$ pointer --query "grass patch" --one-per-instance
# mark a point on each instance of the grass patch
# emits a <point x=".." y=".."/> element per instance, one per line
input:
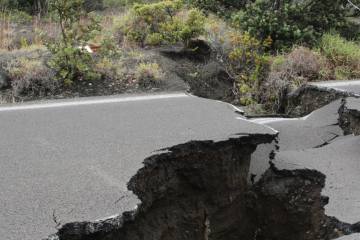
<point x="343" y="55"/>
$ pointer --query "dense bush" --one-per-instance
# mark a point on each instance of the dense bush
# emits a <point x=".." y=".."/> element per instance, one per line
<point x="165" y="22"/>
<point x="248" y="62"/>
<point x="289" y="22"/>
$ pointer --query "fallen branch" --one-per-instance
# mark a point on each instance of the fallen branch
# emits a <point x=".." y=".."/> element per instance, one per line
<point x="352" y="4"/>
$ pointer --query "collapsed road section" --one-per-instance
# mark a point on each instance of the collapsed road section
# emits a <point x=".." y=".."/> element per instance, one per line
<point x="208" y="174"/>
<point x="67" y="161"/>
<point x="313" y="96"/>
<point x="326" y="141"/>
<point x="200" y="190"/>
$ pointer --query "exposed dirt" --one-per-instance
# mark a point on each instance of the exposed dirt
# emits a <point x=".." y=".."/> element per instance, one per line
<point x="198" y="67"/>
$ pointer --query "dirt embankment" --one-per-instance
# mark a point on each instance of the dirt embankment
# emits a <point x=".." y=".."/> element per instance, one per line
<point x="25" y="75"/>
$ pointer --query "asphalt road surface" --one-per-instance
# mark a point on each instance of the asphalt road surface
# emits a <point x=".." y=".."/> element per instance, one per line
<point x="350" y="237"/>
<point x="352" y="86"/>
<point x="67" y="161"/>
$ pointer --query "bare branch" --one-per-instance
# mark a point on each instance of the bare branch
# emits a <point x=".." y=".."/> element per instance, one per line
<point x="352" y="4"/>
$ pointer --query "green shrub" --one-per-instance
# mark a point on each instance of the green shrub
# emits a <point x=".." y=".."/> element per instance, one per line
<point x="220" y="7"/>
<point x="343" y="55"/>
<point x="289" y="22"/>
<point x="248" y="65"/>
<point x="241" y="55"/>
<point x="110" y="68"/>
<point x="69" y="60"/>
<point x="165" y="22"/>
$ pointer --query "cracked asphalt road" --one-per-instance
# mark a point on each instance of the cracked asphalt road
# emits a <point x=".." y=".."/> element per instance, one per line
<point x="352" y="86"/>
<point x="317" y="142"/>
<point x="70" y="160"/>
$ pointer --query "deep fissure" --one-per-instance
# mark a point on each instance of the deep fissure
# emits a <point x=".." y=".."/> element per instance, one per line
<point x="200" y="190"/>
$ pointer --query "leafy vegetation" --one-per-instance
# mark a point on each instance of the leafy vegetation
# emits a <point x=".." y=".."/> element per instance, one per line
<point x="343" y="56"/>
<point x="290" y="22"/>
<point x="166" y="22"/>
<point x="335" y="58"/>
<point x="265" y="48"/>
<point x="70" y="61"/>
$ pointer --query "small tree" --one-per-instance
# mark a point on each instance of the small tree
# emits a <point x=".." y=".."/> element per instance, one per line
<point x="70" y="61"/>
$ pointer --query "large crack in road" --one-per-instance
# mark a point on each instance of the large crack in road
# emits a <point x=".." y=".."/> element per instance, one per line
<point x="212" y="190"/>
<point x="200" y="191"/>
<point x="257" y="184"/>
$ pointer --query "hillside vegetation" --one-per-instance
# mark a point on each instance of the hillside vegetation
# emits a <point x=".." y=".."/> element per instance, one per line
<point x="264" y="48"/>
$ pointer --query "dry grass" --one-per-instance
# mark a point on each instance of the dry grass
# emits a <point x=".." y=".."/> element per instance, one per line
<point x="149" y="75"/>
<point x="30" y="76"/>
<point x="289" y="72"/>
<point x="16" y="35"/>
<point x="6" y="30"/>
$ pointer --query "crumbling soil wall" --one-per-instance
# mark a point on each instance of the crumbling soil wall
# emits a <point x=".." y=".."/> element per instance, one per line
<point x="308" y="98"/>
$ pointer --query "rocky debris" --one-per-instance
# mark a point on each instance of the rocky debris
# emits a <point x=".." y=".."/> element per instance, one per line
<point x="350" y="116"/>
<point x="308" y="98"/>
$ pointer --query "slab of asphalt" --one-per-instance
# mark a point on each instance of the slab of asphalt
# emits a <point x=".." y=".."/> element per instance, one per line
<point x="317" y="128"/>
<point x="317" y="142"/>
<point x="350" y="237"/>
<point x="353" y="104"/>
<point x="314" y="130"/>
<point x="65" y="161"/>
<point x="339" y="161"/>
<point x="352" y="86"/>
